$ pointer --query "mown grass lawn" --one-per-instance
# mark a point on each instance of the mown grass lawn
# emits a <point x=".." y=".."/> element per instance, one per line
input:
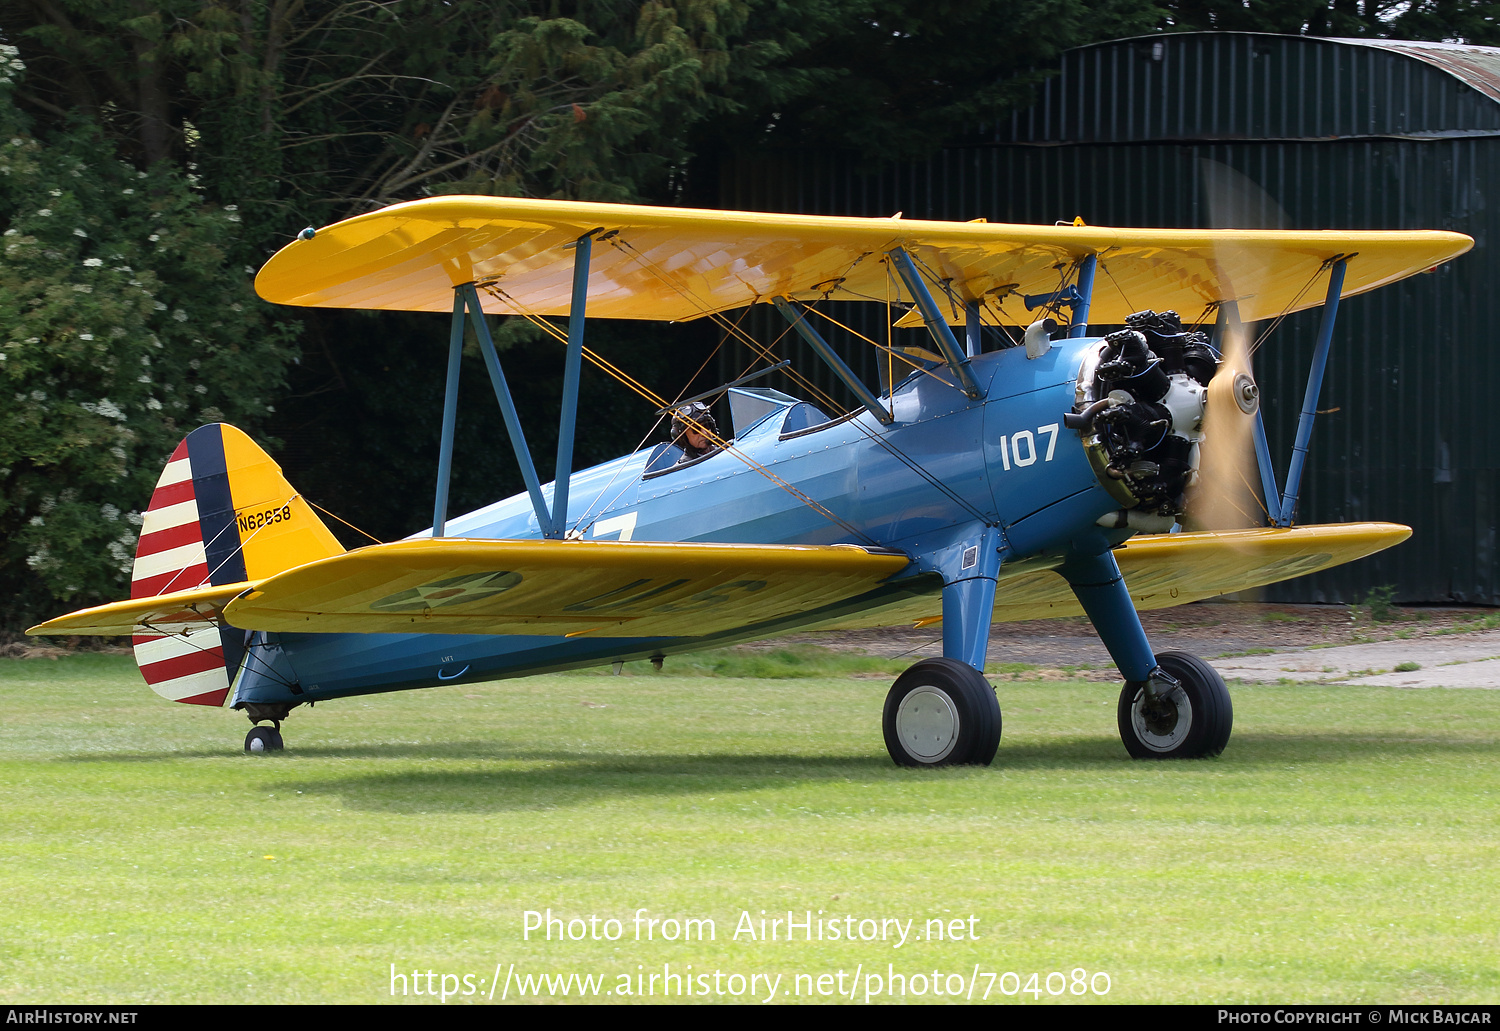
<point x="1344" y="848"/>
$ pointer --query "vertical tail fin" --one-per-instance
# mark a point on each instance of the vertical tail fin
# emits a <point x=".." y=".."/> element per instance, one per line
<point x="222" y="513"/>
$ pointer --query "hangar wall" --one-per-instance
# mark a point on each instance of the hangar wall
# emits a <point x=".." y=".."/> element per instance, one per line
<point x="1318" y="134"/>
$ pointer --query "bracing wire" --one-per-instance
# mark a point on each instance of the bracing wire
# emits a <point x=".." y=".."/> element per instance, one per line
<point x="589" y="518"/>
<point x="341" y="519"/>
<point x="240" y="548"/>
<point x="719" y="319"/>
<point x="222" y="530"/>
<point x="265" y="669"/>
<point x="1118" y="287"/>
<point x="891" y="448"/>
<point x="717" y="348"/>
<point x="816" y="506"/>
<point x="890" y="351"/>
<point x="880" y="439"/>
<point x="659" y="403"/>
<point x="1261" y="338"/>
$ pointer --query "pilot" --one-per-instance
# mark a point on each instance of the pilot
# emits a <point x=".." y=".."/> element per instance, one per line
<point x="688" y="423"/>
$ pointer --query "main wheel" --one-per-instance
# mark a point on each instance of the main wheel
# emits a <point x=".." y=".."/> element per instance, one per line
<point x="942" y="712"/>
<point x="263" y="739"/>
<point x="1190" y="721"/>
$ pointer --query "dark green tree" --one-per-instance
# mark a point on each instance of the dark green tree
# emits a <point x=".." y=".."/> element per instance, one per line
<point x="1452" y="21"/>
<point x="126" y="323"/>
<point x="890" y="79"/>
<point x="208" y="133"/>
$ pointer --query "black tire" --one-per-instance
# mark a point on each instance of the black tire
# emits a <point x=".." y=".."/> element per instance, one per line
<point x="263" y="739"/>
<point x="1193" y="723"/>
<point x="942" y="712"/>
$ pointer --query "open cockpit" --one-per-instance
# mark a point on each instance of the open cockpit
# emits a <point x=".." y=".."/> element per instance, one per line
<point x="754" y="412"/>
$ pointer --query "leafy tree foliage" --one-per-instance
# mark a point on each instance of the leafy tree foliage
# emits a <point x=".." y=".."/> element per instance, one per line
<point x="891" y="78"/>
<point x="125" y="324"/>
<point x="189" y="138"/>
<point x="1452" y="21"/>
<point x="334" y="107"/>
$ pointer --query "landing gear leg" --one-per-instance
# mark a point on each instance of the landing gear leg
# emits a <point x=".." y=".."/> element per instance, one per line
<point x="1174" y="705"/>
<point x="942" y="712"/>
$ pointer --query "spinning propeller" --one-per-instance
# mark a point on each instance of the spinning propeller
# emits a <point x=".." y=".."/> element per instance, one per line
<point x="1168" y="422"/>
<point x="1224" y="495"/>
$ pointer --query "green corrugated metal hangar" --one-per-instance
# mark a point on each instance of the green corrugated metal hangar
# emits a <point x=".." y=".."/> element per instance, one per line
<point x="1252" y="130"/>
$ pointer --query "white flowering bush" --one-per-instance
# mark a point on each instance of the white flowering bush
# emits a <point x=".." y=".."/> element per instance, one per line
<point x="124" y="324"/>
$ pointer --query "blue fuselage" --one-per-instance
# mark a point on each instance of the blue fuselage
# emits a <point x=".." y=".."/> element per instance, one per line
<point x="944" y="469"/>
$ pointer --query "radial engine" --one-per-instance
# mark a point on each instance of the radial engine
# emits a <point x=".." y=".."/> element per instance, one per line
<point x="1139" y="409"/>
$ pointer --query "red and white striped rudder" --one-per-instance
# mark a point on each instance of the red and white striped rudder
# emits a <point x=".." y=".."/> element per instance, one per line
<point x="222" y="514"/>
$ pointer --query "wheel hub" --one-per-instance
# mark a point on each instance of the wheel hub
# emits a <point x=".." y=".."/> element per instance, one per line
<point x="1160" y="716"/>
<point x="1161" y="723"/>
<point x="927" y="724"/>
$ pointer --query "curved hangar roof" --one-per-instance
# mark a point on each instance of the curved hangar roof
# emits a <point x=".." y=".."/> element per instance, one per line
<point x="670" y="264"/>
<point x="1478" y="67"/>
<point x="1245" y="86"/>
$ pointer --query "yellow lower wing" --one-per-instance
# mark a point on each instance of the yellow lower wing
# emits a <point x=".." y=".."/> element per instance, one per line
<point x="1173" y="569"/>
<point x="1163" y="571"/>
<point x="615" y="589"/>
<point x="570" y="588"/>
<point x="1166" y="570"/>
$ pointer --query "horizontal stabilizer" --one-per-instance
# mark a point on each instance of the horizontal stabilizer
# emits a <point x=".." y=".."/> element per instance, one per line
<point x="571" y="588"/>
<point x="181" y="612"/>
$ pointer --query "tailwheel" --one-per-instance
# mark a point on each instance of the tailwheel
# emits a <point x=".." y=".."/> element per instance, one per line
<point x="942" y="712"/>
<point x="263" y="739"/>
<point x="1190" y="716"/>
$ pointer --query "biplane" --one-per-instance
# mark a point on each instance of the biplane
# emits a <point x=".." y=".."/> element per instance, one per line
<point x="1019" y="467"/>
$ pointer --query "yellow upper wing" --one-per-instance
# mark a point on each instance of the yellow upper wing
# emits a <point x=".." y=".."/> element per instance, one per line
<point x="671" y="264"/>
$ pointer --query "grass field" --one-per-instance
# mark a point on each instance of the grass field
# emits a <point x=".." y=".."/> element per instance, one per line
<point x="1344" y="848"/>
